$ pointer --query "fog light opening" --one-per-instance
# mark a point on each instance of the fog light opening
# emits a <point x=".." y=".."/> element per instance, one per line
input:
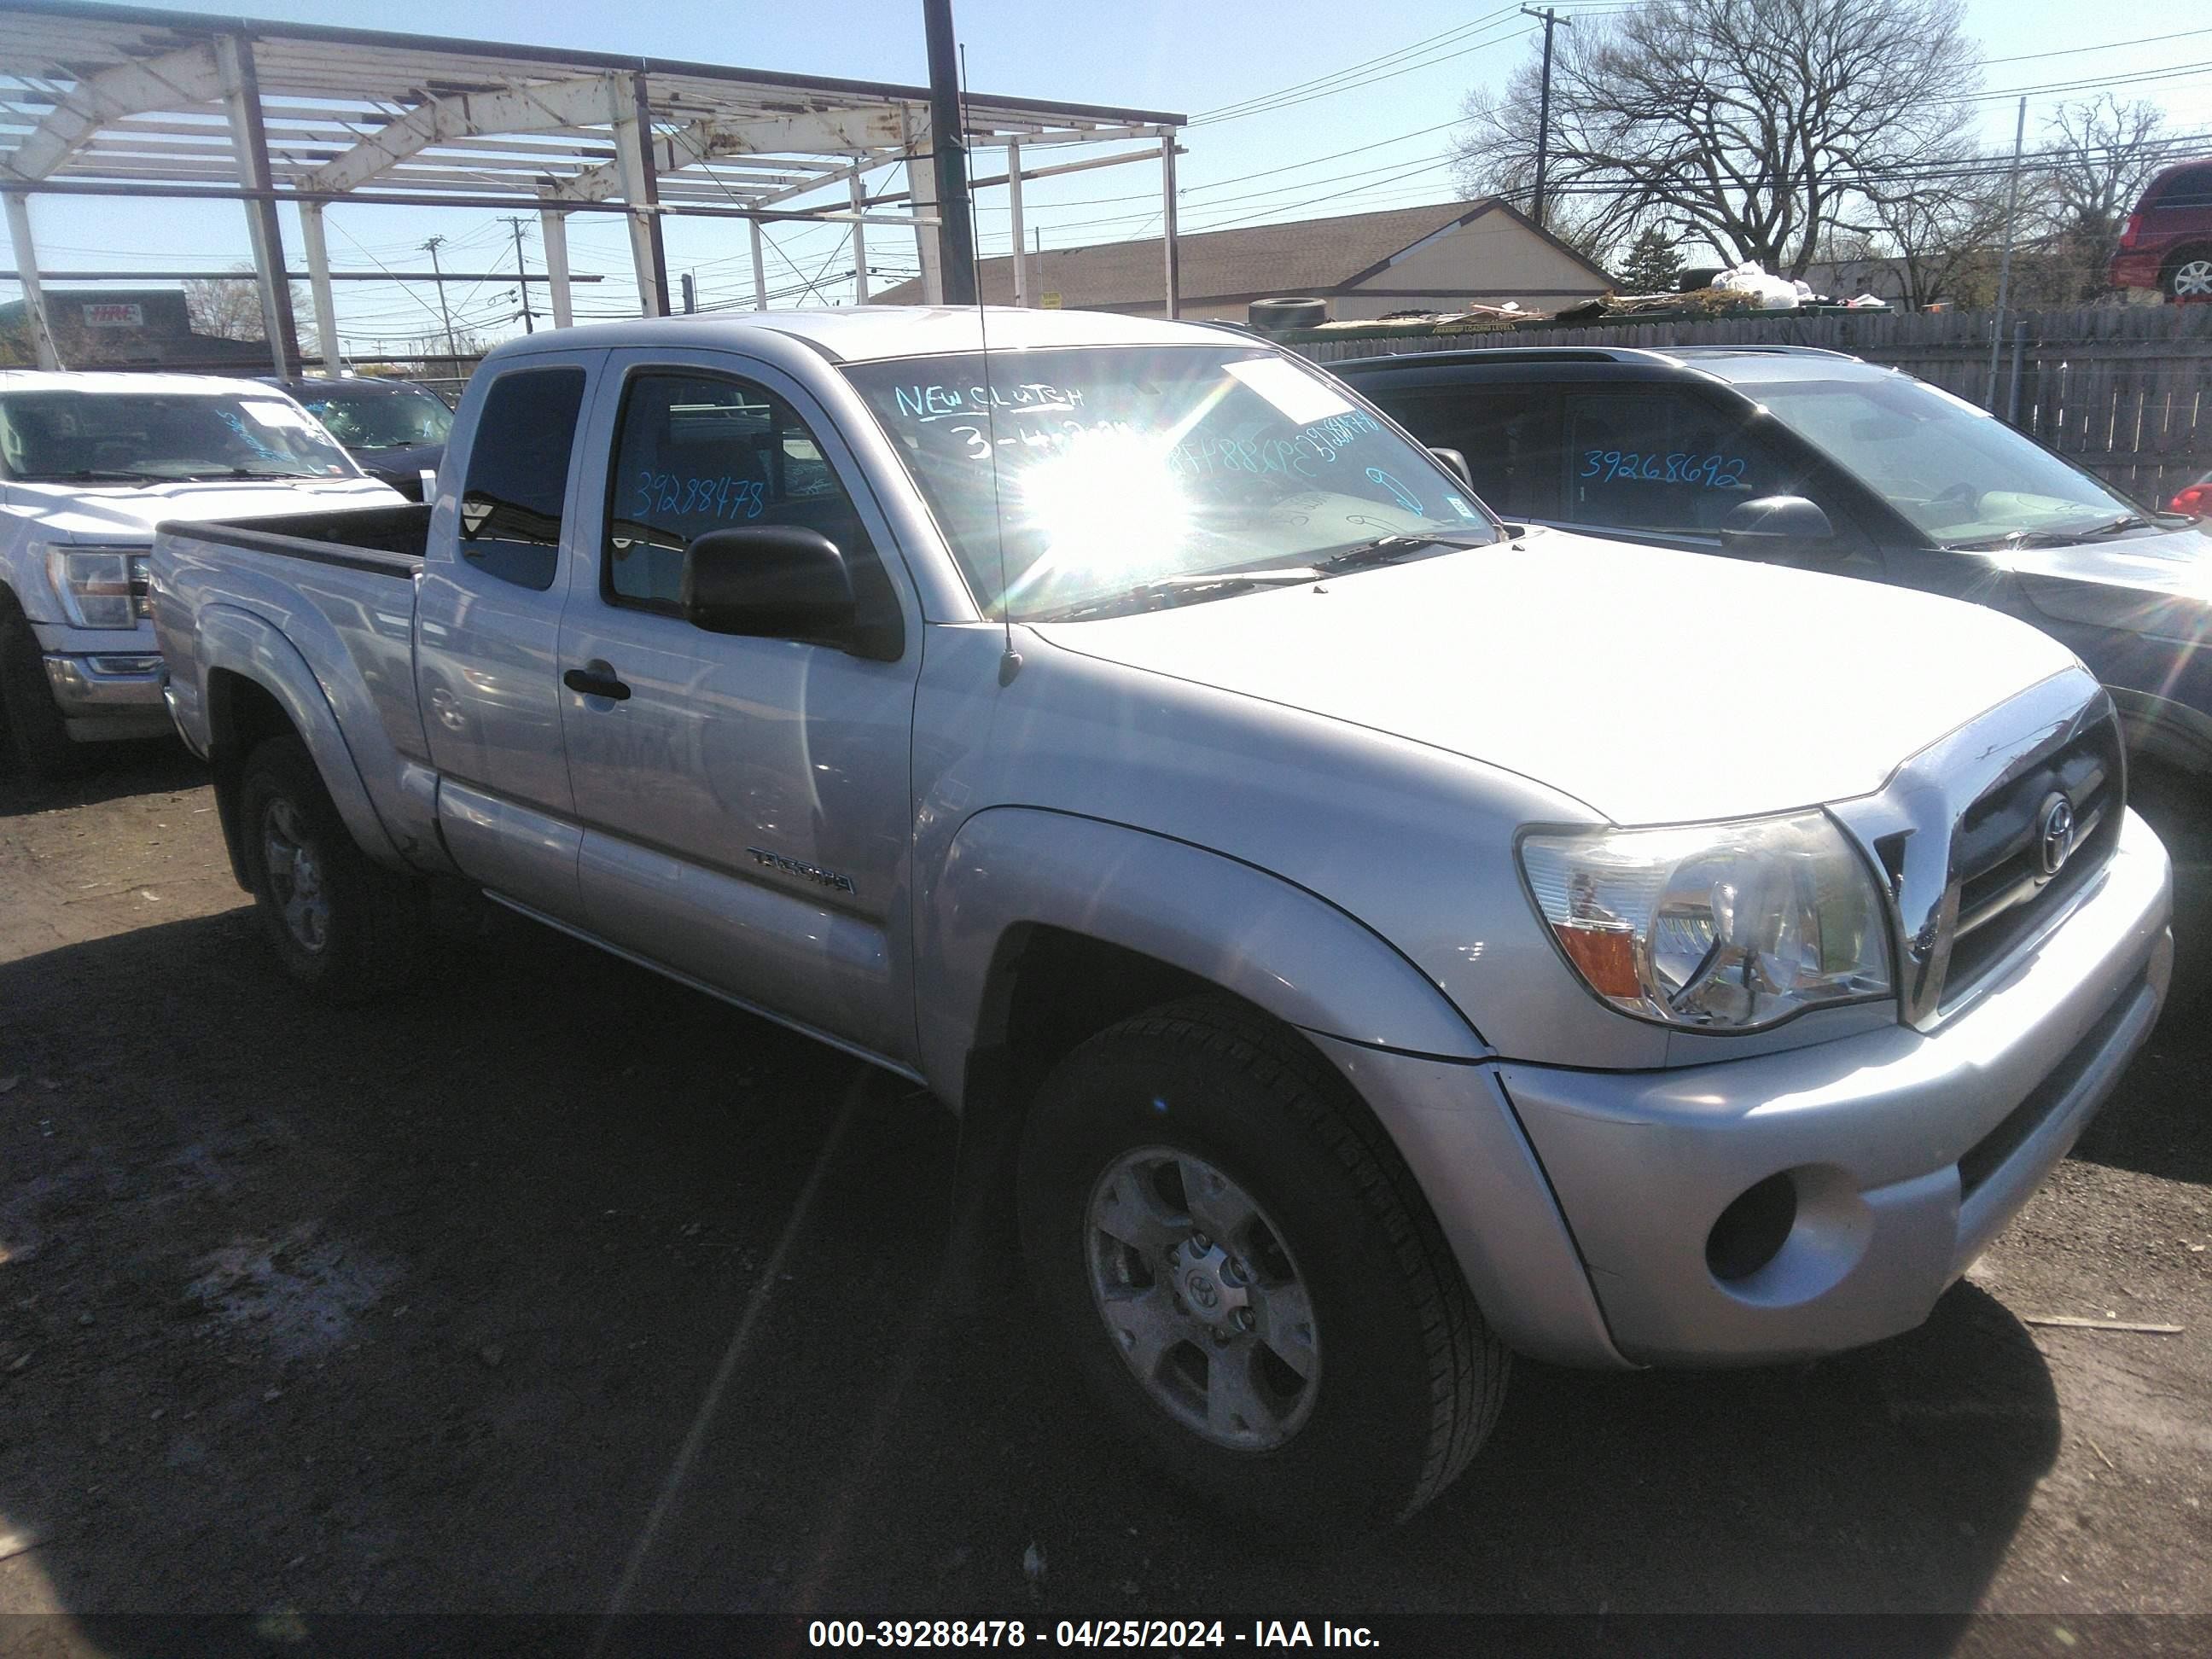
<point x="1752" y="1232"/>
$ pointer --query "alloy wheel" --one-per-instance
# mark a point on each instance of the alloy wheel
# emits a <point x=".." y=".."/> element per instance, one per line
<point x="295" y="876"/>
<point x="1202" y="1299"/>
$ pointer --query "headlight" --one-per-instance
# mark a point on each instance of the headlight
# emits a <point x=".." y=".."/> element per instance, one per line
<point x="101" y="587"/>
<point x="1727" y="927"/>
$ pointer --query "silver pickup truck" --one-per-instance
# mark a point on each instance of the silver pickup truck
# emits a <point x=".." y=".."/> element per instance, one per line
<point x="1387" y="938"/>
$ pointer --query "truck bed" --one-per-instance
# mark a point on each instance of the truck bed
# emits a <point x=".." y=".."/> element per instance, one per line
<point x="333" y="594"/>
<point x="380" y="540"/>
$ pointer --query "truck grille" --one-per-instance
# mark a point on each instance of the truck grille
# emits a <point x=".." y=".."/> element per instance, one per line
<point x="1998" y="855"/>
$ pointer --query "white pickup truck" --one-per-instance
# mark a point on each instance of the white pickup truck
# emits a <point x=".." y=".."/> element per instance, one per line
<point x="1388" y="937"/>
<point x="89" y="464"/>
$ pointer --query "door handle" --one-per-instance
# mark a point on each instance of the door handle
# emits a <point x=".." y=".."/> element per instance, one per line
<point x="590" y="684"/>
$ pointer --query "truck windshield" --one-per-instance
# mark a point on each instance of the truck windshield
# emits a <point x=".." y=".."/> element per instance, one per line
<point x="381" y="418"/>
<point x="1080" y="481"/>
<point x="150" y="438"/>
<point x="1962" y="477"/>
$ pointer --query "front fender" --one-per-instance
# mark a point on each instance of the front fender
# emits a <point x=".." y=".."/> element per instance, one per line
<point x="1275" y="943"/>
<point x="236" y="641"/>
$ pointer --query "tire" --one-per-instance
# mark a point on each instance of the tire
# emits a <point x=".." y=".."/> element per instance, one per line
<point x="353" y="933"/>
<point x="37" y="737"/>
<point x="2187" y="279"/>
<point x="1403" y="1378"/>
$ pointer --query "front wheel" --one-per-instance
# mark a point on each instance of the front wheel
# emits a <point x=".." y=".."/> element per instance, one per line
<point x="1246" y="1274"/>
<point x="343" y="925"/>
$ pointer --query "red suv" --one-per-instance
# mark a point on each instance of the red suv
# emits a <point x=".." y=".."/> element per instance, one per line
<point x="2167" y="244"/>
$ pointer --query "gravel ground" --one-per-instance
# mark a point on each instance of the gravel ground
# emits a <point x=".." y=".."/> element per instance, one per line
<point x="414" y="1309"/>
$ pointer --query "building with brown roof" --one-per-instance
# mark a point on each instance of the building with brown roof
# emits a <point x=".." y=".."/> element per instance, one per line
<point x="1445" y="257"/>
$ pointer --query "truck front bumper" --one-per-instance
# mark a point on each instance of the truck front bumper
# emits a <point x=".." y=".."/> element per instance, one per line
<point x="1891" y="1159"/>
<point x="109" y="694"/>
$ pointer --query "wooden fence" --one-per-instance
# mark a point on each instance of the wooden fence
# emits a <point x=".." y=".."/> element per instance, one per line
<point x="2124" y="390"/>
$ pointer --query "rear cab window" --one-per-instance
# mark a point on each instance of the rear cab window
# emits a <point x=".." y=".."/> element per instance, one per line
<point x="518" y="477"/>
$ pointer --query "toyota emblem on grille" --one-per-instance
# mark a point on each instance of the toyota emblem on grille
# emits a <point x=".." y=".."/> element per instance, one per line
<point x="2055" y="836"/>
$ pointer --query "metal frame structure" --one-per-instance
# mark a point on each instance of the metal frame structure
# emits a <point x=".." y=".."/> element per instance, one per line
<point x="128" y="102"/>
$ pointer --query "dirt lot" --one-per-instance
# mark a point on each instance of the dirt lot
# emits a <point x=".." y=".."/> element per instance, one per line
<point x="418" y="1308"/>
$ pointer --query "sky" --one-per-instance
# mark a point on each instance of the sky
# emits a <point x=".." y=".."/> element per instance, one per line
<point x="1377" y="139"/>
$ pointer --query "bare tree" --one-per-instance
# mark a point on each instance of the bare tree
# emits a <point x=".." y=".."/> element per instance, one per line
<point x="2099" y="155"/>
<point x="1947" y="228"/>
<point x="1757" y="126"/>
<point x="229" y="308"/>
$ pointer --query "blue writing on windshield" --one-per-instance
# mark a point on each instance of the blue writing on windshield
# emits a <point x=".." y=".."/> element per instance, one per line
<point x="1406" y="497"/>
<point x="1305" y="453"/>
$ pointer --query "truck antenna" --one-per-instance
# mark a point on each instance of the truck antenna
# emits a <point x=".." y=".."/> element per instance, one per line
<point x="1010" y="661"/>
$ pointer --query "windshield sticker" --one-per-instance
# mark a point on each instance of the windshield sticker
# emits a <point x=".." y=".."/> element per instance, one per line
<point x="1296" y="394"/>
<point x="1459" y="507"/>
<point x="276" y="415"/>
<point x="1710" y="471"/>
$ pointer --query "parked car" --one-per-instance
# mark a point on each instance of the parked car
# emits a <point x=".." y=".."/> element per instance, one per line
<point x="2168" y="242"/>
<point x="2194" y="499"/>
<point x="394" y="429"/>
<point x="1797" y="456"/>
<point x="1386" y="938"/>
<point x="89" y="463"/>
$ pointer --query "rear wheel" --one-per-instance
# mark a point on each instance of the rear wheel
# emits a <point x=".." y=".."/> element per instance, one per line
<point x="37" y="737"/>
<point x="2189" y="278"/>
<point x="1246" y="1275"/>
<point x="343" y="925"/>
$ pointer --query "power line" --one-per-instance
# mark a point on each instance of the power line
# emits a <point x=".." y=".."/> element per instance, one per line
<point x="1369" y="80"/>
<point x="2129" y="77"/>
<point x="2108" y="45"/>
<point x="1227" y="111"/>
<point x="1387" y="65"/>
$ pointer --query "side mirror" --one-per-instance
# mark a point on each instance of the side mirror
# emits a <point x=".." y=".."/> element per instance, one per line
<point x="1456" y="461"/>
<point x="1774" y="524"/>
<point x="776" y="582"/>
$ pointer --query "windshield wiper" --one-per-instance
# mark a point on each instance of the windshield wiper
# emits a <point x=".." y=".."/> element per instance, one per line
<point x="2014" y="539"/>
<point x="2021" y="539"/>
<point x="91" y="475"/>
<point x="1178" y="590"/>
<point x="1385" y="550"/>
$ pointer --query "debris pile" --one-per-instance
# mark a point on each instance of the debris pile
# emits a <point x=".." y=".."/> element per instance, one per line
<point x="1746" y="291"/>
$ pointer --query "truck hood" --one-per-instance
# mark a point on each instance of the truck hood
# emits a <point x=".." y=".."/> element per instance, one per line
<point x="2159" y="585"/>
<point x="81" y="513"/>
<point x="1654" y="686"/>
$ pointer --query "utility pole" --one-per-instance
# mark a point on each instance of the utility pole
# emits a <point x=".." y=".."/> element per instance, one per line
<point x="431" y="247"/>
<point x="529" y="322"/>
<point x="1551" y="19"/>
<point x="690" y="294"/>
<point x="956" y="242"/>
<point x="2004" y="265"/>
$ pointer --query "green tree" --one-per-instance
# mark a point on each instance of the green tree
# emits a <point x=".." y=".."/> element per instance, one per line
<point x="1652" y="264"/>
